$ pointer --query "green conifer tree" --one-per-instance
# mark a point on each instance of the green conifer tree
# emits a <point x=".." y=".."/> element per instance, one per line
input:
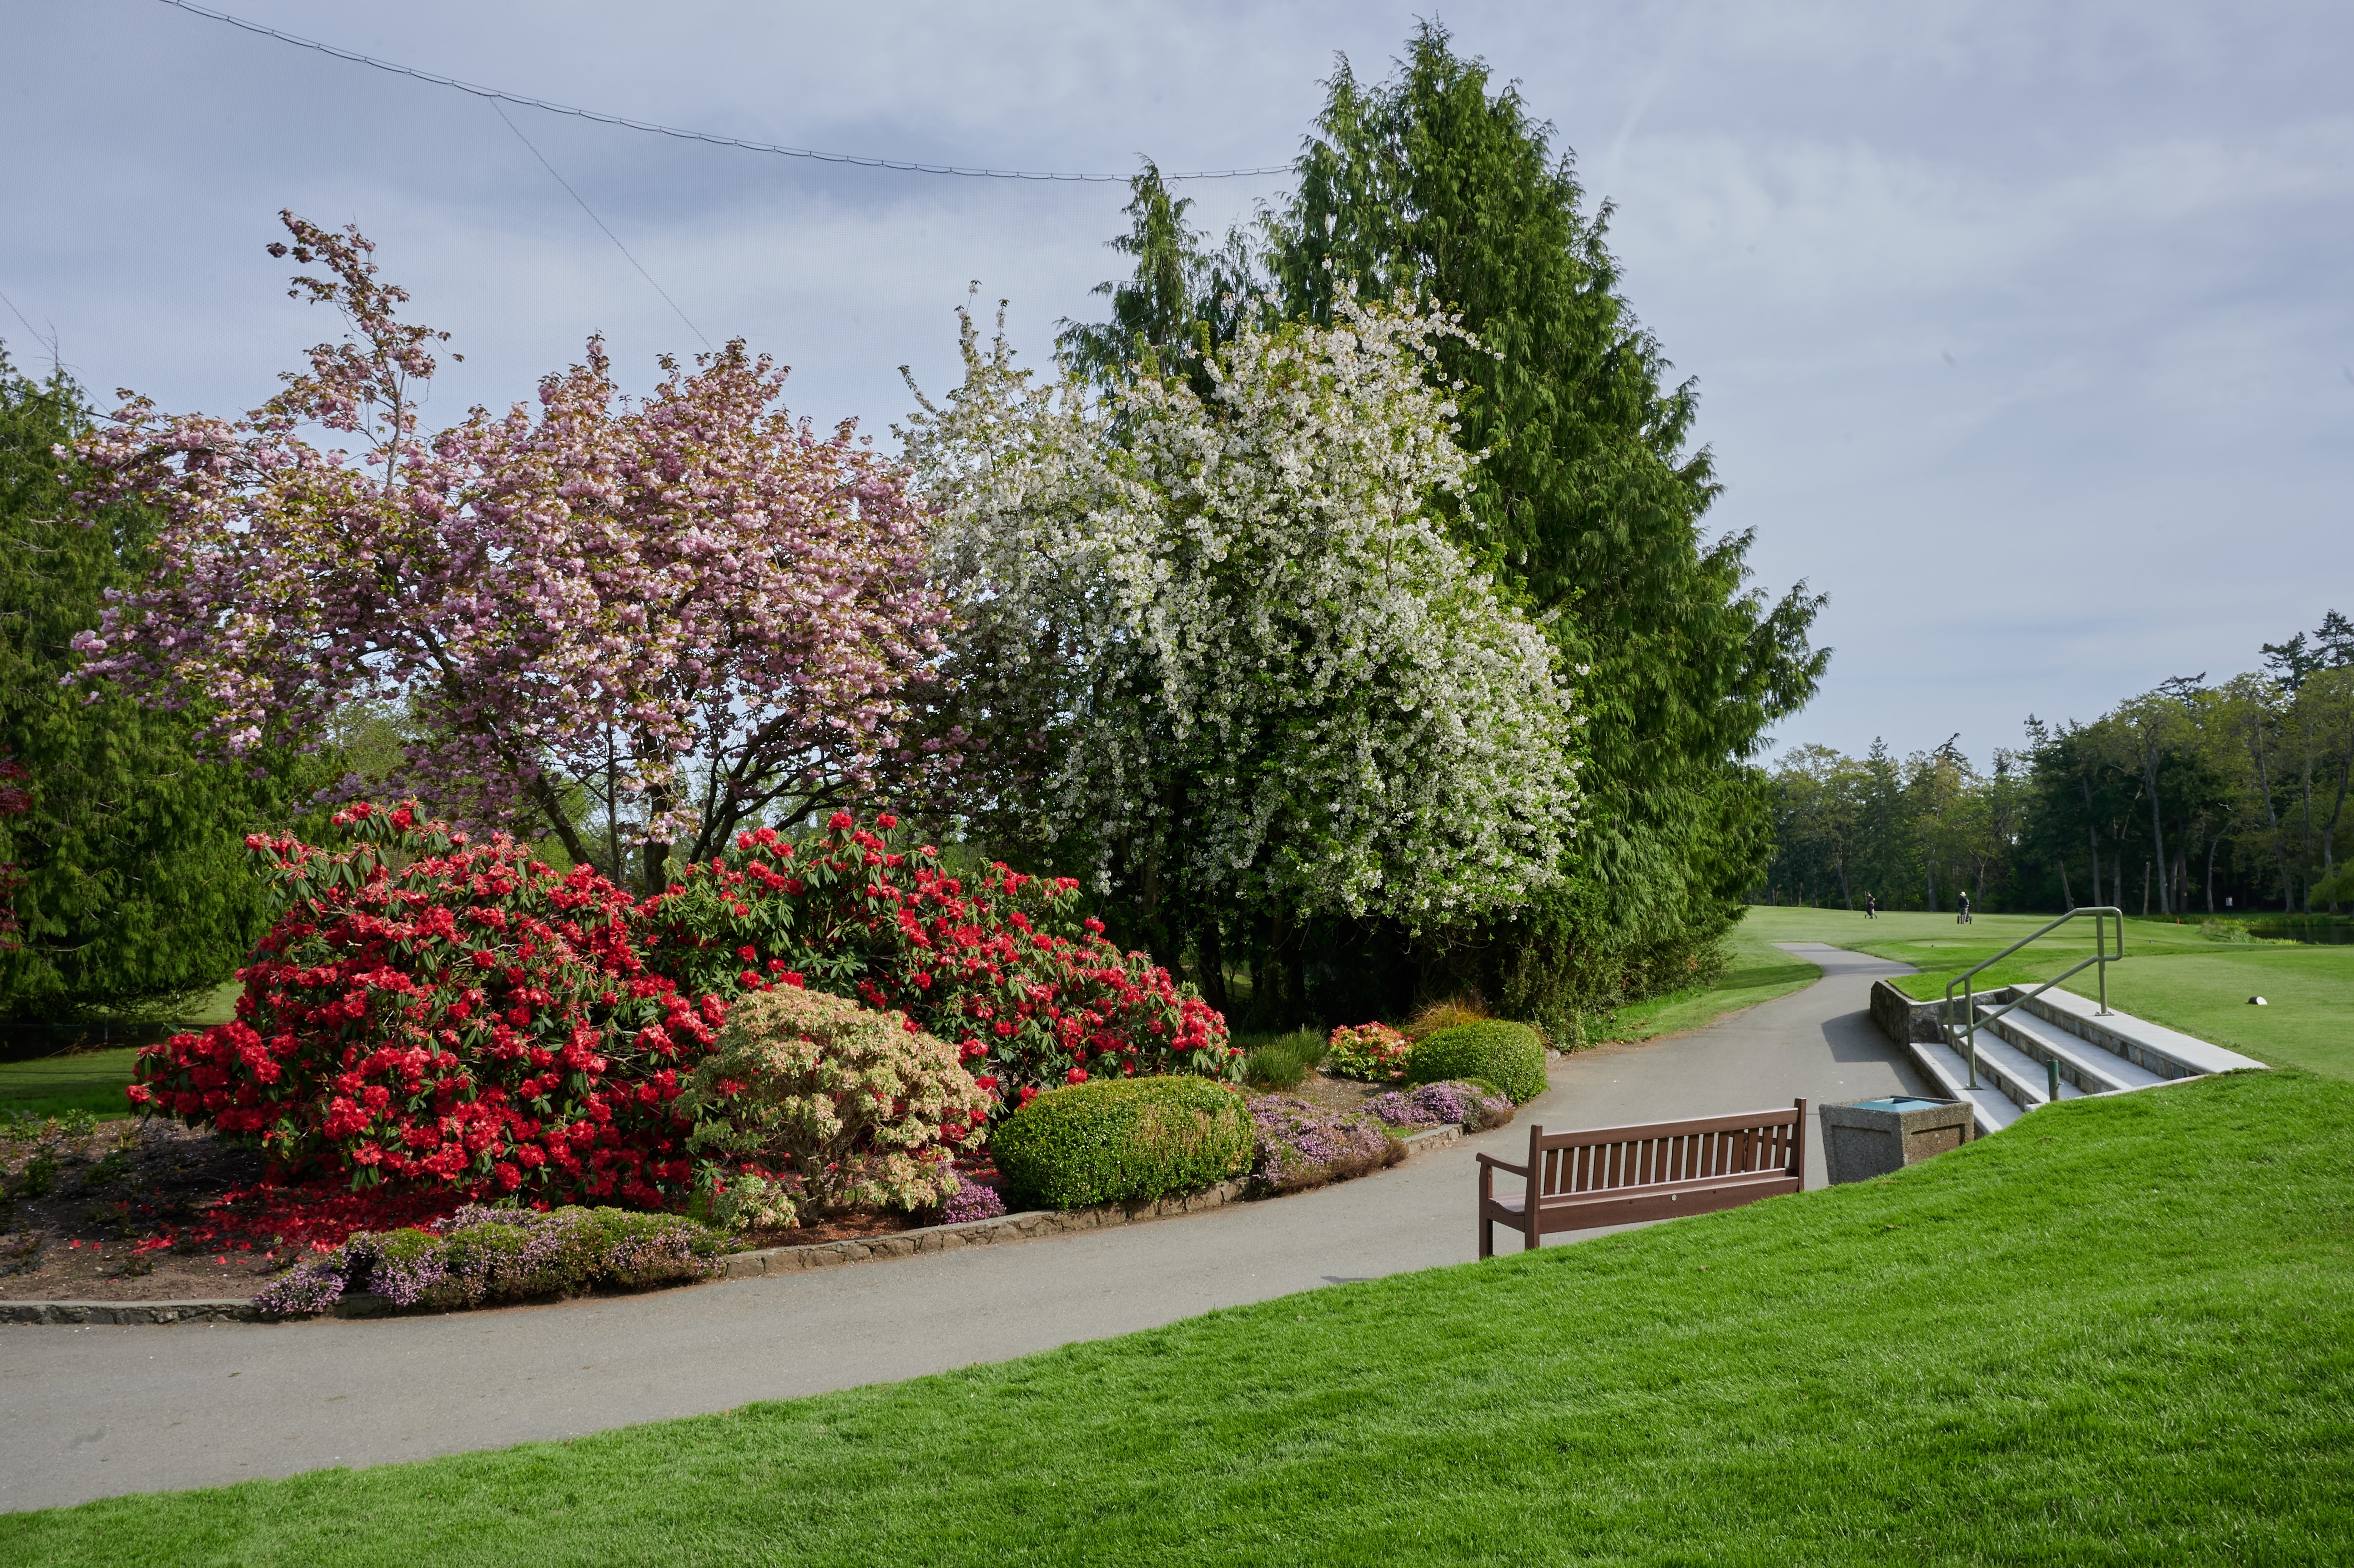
<point x="1589" y="509"/>
<point x="132" y="889"/>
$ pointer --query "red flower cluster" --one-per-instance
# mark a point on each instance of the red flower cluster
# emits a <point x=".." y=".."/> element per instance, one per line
<point x="1001" y="965"/>
<point x="471" y="1020"/>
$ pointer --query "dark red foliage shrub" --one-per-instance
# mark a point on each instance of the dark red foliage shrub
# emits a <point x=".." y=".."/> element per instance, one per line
<point x="449" y="1013"/>
<point x="1000" y="963"/>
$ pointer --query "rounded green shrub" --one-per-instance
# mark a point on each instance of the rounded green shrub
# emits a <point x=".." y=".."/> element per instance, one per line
<point x="1122" y="1139"/>
<point x="1508" y="1057"/>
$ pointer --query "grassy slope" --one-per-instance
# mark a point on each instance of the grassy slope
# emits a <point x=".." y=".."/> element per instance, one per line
<point x="2171" y="975"/>
<point x="1754" y="971"/>
<point x="2116" y="1334"/>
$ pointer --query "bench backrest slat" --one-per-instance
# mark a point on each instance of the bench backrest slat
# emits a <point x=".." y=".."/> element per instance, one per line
<point x="1605" y="1158"/>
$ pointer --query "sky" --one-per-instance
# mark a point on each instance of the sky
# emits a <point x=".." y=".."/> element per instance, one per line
<point x="2023" y="332"/>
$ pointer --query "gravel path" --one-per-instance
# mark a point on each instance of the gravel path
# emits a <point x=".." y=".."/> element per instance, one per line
<point x="89" y="1412"/>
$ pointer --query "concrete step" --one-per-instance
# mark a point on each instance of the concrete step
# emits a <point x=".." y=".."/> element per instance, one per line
<point x="2088" y="1065"/>
<point x="2163" y="1053"/>
<point x="2022" y="1077"/>
<point x="1947" y="1074"/>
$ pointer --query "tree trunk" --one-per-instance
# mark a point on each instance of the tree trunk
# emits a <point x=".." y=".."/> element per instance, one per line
<point x="2145" y="888"/>
<point x="655" y="862"/>
<point x="2066" y="896"/>
<point x="1209" y="961"/>
<point x="1846" y="897"/>
<point x="2150" y="760"/>
<point x="2212" y="842"/>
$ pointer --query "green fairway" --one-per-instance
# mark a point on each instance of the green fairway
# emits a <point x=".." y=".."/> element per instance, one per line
<point x="2172" y="975"/>
<point x="2116" y="1334"/>
<point x="1754" y="971"/>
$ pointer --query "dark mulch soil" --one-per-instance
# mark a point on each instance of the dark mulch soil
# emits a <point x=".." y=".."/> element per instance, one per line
<point x="1337" y="1094"/>
<point x="125" y="1182"/>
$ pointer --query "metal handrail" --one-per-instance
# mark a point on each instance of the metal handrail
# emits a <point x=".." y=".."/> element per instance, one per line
<point x="1965" y="1035"/>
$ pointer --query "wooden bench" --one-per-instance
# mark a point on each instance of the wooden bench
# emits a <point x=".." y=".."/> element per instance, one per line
<point x="1619" y="1175"/>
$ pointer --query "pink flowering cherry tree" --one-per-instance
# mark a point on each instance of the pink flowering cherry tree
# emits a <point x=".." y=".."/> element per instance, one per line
<point x="681" y="614"/>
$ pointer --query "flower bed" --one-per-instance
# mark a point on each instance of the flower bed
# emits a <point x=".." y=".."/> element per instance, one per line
<point x="1298" y="1145"/>
<point x="482" y="1255"/>
<point x="428" y="1013"/>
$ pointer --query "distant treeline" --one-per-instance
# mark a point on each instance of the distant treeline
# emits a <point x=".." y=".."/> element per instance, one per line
<point x="2190" y="798"/>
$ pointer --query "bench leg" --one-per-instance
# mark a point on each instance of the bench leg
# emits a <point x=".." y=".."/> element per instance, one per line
<point x="1486" y="1235"/>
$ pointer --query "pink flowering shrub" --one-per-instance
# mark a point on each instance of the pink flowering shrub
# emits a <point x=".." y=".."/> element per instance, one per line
<point x="1374" y="1053"/>
<point x="862" y="1109"/>
<point x="436" y="1012"/>
<point x="1000" y="964"/>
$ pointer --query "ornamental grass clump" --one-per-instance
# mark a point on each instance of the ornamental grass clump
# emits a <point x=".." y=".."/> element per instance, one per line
<point x="1475" y="1108"/>
<point x="1370" y="1053"/>
<point x="1298" y="1145"/>
<point x="480" y="1254"/>
<point x="1117" y="1141"/>
<point x="1510" y="1057"/>
<point x="849" y="1107"/>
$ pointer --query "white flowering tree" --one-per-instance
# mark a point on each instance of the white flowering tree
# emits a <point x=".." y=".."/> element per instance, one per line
<point x="1224" y="644"/>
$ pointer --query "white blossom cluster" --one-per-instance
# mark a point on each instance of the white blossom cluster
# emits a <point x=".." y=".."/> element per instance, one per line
<point x="1243" y="644"/>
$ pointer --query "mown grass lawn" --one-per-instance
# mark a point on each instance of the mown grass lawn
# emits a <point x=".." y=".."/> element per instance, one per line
<point x="94" y="1080"/>
<point x="2171" y="975"/>
<point x="2121" y="1332"/>
<point x="1754" y="971"/>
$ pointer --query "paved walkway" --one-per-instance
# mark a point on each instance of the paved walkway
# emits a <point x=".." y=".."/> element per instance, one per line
<point x="94" y="1411"/>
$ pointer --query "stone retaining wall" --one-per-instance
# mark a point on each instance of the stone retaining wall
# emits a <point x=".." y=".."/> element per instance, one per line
<point x="1902" y="1019"/>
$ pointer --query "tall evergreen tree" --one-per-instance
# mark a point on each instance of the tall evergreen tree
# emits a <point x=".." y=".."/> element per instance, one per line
<point x="1589" y="503"/>
<point x="129" y="852"/>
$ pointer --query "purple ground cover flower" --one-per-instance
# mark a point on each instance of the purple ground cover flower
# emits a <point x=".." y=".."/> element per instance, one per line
<point x="1438" y="1105"/>
<point x="479" y="1254"/>
<point x="971" y="1201"/>
<point x="1304" y="1145"/>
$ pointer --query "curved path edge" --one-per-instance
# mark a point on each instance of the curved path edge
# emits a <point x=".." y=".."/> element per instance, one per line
<point x="98" y="1410"/>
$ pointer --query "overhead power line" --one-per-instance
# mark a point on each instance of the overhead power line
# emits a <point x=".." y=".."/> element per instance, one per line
<point x="499" y="109"/>
<point x="715" y="139"/>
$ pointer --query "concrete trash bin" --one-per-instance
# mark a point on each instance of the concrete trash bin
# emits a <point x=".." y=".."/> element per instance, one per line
<point x="1871" y="1138"/>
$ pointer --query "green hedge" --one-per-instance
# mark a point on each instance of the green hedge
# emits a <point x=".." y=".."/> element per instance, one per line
<point x="1122" y="1139"/>
<point x="1509" y="1055"/>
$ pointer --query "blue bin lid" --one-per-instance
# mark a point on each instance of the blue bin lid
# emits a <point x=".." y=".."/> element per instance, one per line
<point x="1897" y="1103"/>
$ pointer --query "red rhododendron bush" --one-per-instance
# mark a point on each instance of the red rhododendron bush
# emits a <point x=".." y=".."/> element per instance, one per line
<point x="431" y="1011"/>
<point x="999" y="963"/>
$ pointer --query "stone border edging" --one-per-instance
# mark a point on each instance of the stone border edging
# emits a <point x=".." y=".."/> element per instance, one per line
<point x="239" y="1310"/>
<point x="1028" y="1225"/>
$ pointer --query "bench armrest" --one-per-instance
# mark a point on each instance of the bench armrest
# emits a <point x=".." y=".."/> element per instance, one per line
<point x="1489" y="1159"/>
